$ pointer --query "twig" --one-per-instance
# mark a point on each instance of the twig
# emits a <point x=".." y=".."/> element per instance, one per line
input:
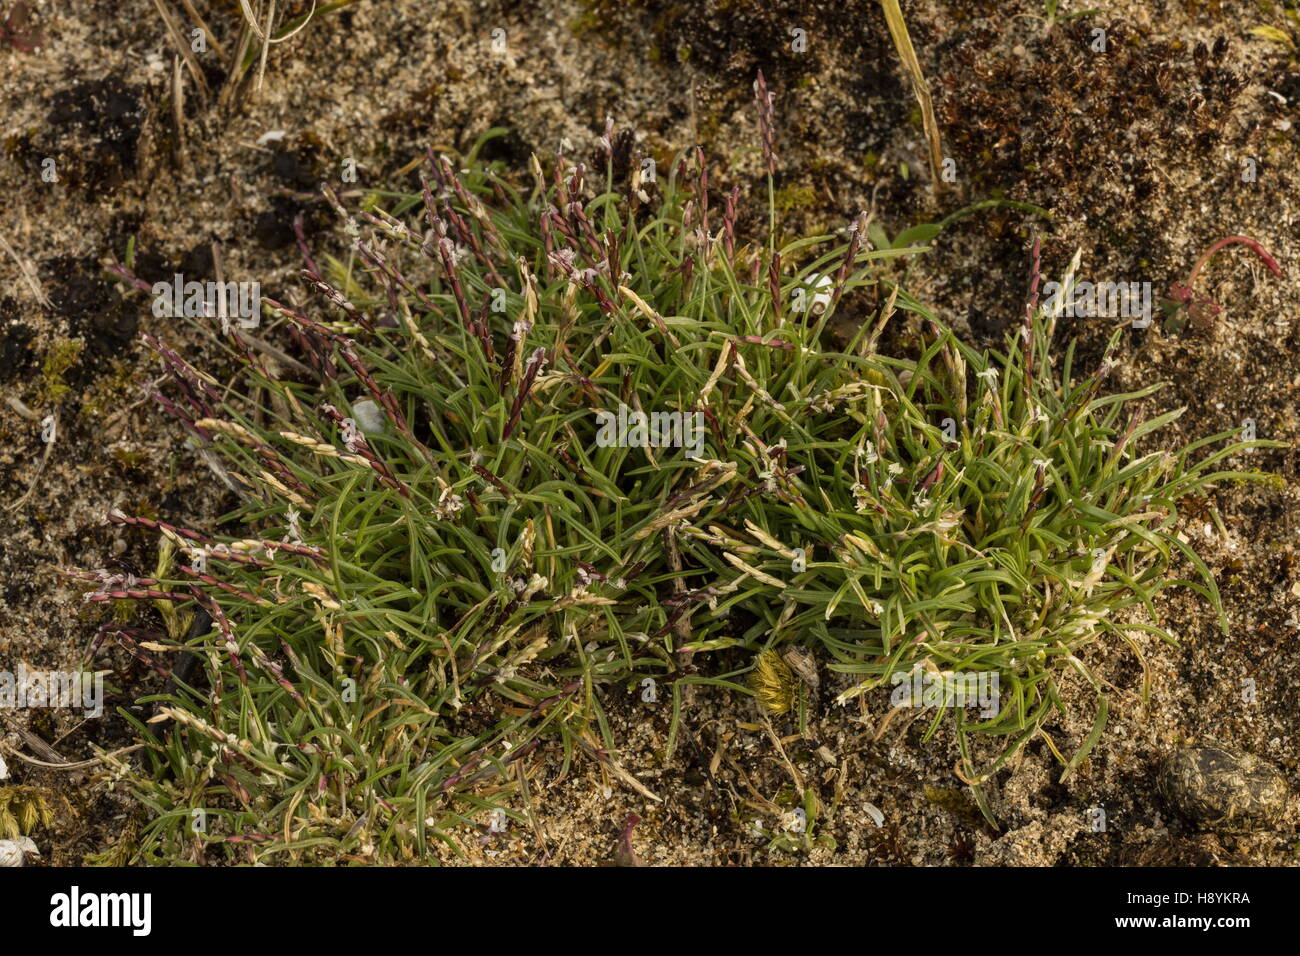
<point x="28" y="273"/>
<point x="40" y="469"/>
<point x="903" y="43"/>
<point x="207" y="32"/>
<point x="795" y="775"/>
<point x="178" y="38"/>
<point x="35" y="742"/>
<point x="80" y="764"/>
<point x="178" y="115"/>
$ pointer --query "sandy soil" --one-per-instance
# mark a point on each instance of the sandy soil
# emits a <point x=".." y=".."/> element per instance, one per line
<point x="1139" y="153"/>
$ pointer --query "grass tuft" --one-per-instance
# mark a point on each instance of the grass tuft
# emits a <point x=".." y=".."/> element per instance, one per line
<point x="442" y="570"/>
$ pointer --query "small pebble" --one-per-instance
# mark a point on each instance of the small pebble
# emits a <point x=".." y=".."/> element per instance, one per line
<point x="369" y="416"/>
<point x="1214" y="788"/>
<point x="804" y="666"/>
<point x="16" y="852"/>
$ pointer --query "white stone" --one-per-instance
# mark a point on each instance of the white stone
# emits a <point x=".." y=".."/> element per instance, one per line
<point x="14" y="852"/>
<point x="369" y="416"/>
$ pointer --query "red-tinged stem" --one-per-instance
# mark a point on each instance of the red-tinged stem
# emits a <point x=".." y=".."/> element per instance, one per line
<point x="1183" y="294"/>
<point x="301" y="239"/>
<point x="227" y="632"/>
<point x="626" y="851"/>
<point x="300" y="319"/>
<point x="216" y="582"/>
<point x="535" y="363"/>
<point x="765" y="122"/>
<point x="769" y="343"/>
<point x="704" y="189"/>
<point x="126" y="275"/>
<point x="1246" y="241"/>
<point x="488" y="476"/>
<point x="117" y="517"/>
<point x="136" y="594"/>
<point x="729" y="226"/>
<point x="774" y="286"/>
<point x="936" y="473"/>
<point x="850" y="255"/>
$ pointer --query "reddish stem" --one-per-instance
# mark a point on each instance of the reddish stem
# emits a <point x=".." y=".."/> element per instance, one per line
<point x="1250" y="243"/>
<point x="1183" y="295"/>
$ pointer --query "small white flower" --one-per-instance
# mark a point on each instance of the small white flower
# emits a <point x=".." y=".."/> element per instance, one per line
<point x="861" y="497"/>
<point x="449" y="503"/>
<point x="351" y="435"/>
<point x="821" y="297"/>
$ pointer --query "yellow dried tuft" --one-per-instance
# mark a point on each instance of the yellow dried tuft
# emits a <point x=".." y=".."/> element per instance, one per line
<point x="773" y="683"/>
<point x="21" y="810"/>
